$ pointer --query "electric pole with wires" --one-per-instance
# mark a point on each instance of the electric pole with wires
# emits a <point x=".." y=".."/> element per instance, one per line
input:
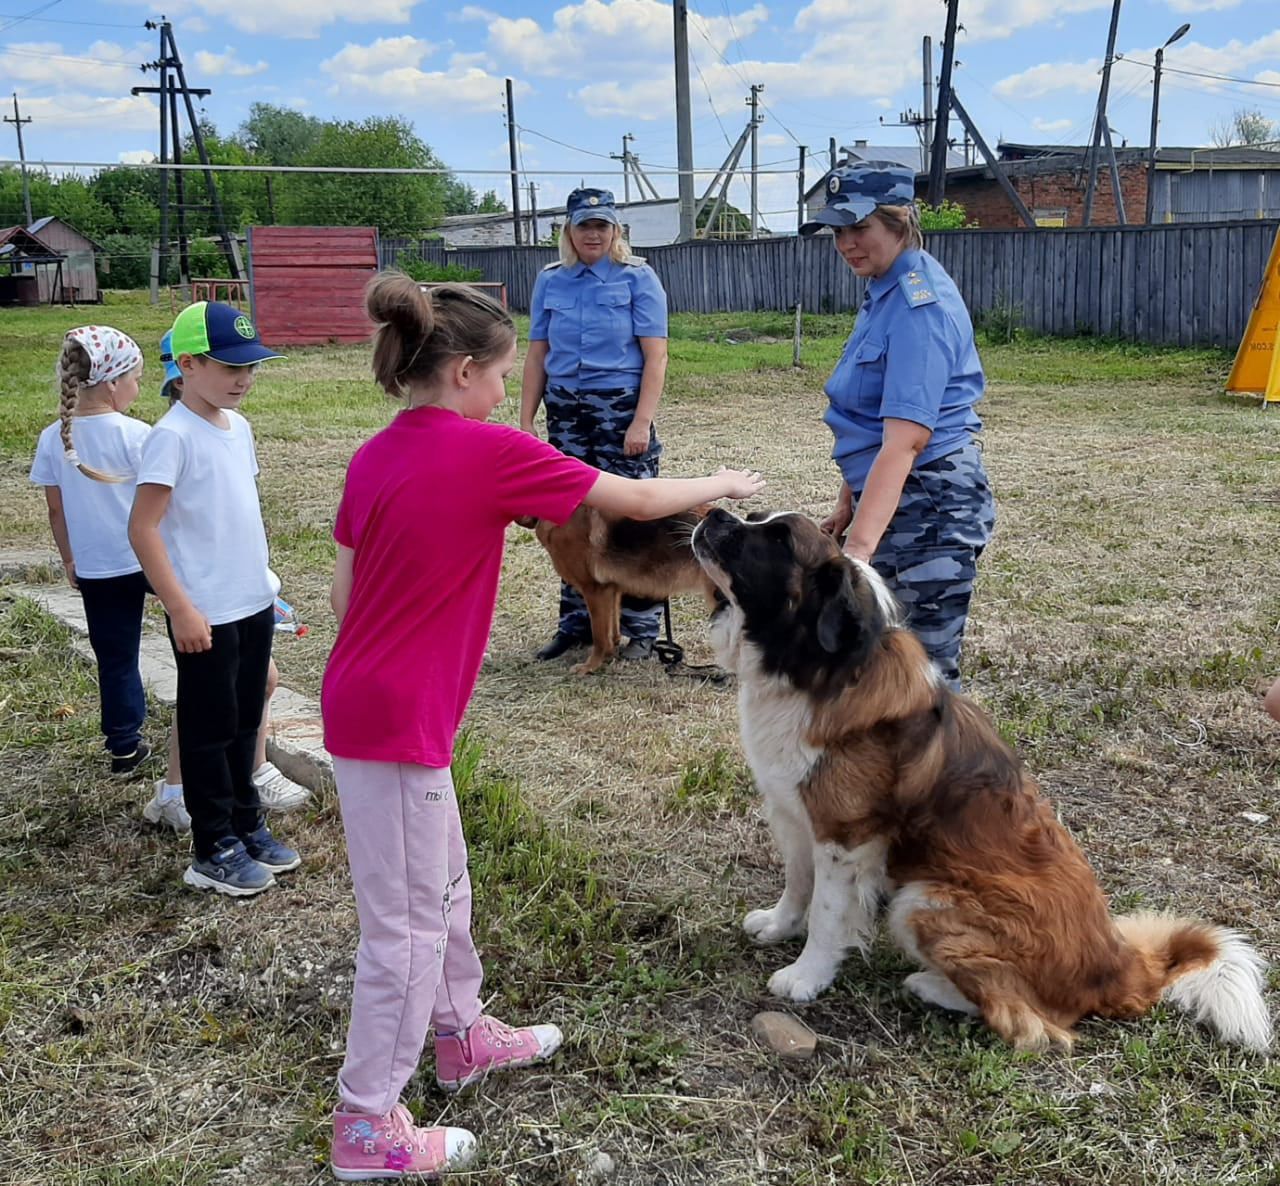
<point x="17" y="122"/>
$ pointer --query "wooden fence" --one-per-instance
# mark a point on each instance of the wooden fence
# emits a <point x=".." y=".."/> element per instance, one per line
<point x="1188" y="284"/>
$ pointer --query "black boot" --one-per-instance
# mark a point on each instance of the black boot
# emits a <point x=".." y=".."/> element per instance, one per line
<point x="559" y="645"/>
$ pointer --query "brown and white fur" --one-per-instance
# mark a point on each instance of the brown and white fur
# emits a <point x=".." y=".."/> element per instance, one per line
<point x="606" y="557"/>
<point x="880" y="784"/>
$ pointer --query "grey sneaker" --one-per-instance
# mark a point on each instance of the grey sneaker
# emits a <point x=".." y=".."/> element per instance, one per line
<point x="276" y="792"/>
<point x="171" y="811"/>
<point x="269" y="852"/>
<point x="230" y="870"/>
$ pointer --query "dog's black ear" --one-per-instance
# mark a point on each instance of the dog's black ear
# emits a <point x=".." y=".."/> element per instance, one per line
<point x="840" y="624"/>
<point x="758" y="516"/>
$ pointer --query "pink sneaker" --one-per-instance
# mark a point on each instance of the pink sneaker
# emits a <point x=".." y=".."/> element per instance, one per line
<point x="367" y="1148"/>
<point x="489" y="1045"/>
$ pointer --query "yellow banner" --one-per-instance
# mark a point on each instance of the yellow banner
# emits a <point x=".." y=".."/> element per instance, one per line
<point x="1257" y="365"/>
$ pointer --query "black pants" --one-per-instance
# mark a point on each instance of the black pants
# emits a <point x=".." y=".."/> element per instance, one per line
<point x="221" y="692"/>
<point x="113" y="611"/>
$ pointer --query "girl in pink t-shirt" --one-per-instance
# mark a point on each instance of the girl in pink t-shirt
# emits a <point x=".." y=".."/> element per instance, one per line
<point x="420" y="534"/>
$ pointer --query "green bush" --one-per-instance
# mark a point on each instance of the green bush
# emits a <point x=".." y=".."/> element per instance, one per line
<point x="946" y="216"/>
<point x="422" y="270"/>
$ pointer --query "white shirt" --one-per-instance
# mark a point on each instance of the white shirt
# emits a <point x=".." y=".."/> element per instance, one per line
<point x="212" y="529"/>
<point x="97" y="513"/>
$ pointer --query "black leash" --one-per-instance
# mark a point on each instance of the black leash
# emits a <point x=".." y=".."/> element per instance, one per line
<point x="671" y="655"/>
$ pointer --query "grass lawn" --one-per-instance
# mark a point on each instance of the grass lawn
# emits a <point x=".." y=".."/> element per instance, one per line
<point x="1124" y="626"/>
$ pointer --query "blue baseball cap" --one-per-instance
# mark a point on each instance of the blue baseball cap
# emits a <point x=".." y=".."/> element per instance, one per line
<point x="854" y="191"/>
<point x="171" y="371"/>
<point x="220" y="332"/>
<point x="585" y="204"/>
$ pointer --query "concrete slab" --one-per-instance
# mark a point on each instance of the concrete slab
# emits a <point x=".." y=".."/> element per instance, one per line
<point x="296" y="743"/>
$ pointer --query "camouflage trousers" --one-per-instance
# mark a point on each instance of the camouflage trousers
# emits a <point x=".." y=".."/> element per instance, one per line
<point x="591" y="425"/>
<point x="929" y="552"/>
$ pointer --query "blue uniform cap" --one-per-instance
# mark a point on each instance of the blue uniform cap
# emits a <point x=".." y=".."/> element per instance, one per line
<point x="585" y="204"/>
<point x="854" y="191"/>
<point x="171" y="371"/>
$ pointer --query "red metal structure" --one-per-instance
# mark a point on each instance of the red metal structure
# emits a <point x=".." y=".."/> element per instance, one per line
<point x="307" y="283"/>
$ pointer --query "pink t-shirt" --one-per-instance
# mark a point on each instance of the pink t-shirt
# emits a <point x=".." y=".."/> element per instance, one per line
<point x="425" y="509"/>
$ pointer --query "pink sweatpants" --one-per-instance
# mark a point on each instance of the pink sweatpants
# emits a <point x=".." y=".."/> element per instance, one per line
<point x="416" y="966"/>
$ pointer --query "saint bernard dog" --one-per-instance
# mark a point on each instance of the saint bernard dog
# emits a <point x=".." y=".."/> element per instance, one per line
<point x="881" y="785"/>
<point x="607" y="557"/>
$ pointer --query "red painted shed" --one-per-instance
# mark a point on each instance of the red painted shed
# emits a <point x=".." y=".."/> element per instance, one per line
<point x="307" y="283"/>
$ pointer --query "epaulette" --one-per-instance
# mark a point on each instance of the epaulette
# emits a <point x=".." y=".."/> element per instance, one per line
<point x="637" y="260"/>
<point x="917" y="289"/>
<point x="548" y="267"/>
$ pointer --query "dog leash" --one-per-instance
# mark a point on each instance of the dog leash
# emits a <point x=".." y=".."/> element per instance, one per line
<point x="671" y="655"/>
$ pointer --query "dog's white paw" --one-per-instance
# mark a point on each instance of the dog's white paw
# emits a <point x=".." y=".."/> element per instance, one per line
<point x="772" y="926"/>
<point x="800" y="981"/>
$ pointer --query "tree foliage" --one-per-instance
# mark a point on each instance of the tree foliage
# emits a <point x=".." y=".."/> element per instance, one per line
<point x="1247" y="125"/>
<point x="946" y="216"/>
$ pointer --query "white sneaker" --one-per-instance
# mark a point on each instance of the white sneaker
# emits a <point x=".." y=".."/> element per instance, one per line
<point x="277" y="793"/>
<point x="171" y="811"/>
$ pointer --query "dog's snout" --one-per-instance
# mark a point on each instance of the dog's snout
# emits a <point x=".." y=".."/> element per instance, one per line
<point x="719" y="515"/>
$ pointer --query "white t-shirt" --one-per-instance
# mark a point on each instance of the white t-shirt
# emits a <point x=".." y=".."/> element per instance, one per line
<point x="212" y="528"/>
<point x="97" y="513"/>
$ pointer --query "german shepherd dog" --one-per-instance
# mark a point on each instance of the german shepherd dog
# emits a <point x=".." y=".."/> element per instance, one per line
<point x="606" y="557"/>
<point x="882" y="785"/>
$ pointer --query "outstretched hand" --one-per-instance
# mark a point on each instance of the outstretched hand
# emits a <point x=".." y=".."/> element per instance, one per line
<point x="741" y="483"/>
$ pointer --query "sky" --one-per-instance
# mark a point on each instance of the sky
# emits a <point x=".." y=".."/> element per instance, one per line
<point x="588" y="72"/>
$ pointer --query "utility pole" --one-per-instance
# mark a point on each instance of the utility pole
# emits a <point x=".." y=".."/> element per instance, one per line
<point x="627" y="137"/>
<point x="515" y="171"/>
<point x="684" y="119"/>
<point x="17" y="122"/>
<point x="1100" y="117"/>
<point x="533" y="214"/>
<point x="800" y="189"/>
<point x="927" y="139"/>
<point x="753" y="103"/>
<point x="1181" y="31"/>
<point x="831" y="150"/>
<point x="938" y="163"/>
<point x="173" y="82"/>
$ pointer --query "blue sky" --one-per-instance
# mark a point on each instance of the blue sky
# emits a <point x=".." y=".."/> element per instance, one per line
<point x="588" y="71"/>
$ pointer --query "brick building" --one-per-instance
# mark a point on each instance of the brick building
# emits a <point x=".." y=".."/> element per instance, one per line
<point x="1191" y="185"/>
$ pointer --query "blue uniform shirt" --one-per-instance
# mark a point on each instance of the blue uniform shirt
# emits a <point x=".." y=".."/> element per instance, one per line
<point x="590" y="318"/>
<point x="911" y="356"/>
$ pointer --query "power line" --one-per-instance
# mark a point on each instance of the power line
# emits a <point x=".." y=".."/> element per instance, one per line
<point x="1203" y="74"/>
<point x="26" y="16"/>
<point x="47" y="20"/>
<point x="52" y="57"/>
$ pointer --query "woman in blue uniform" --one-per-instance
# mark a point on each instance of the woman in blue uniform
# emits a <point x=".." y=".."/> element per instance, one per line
<point x="915" y="501"/>
<point x="598" y="359"/>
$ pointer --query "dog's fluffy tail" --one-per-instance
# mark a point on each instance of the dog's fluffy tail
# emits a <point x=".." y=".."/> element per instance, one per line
<point x="1206" y="971"/>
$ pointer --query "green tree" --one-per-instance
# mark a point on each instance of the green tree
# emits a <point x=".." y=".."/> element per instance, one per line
<point x="1247" y="125"/>
<point x="946" y="216"/>
<point x="396" y="204"/>
<point x="490" y="203"/>
<point x="279" y="135"/>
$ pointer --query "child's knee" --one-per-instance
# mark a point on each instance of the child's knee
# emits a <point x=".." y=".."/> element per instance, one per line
<point x="273" y="678"/>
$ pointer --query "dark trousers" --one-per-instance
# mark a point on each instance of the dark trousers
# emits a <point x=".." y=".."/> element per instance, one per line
<point x="591" y="425"/>
<point x="113" y="610"/>
<point x="220" y="696"/>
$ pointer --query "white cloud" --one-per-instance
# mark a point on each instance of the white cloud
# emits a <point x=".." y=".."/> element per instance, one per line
<point x="1202" y="5"/>
<point x="1082" y="77"/>
<point x="1049" y="126"/>
<point x="105" y="65"/>
<point x="136" y="156"/>
<point x="629" y="34"/>
<point x="214" y="65"/>
<point x="391" y="67"/>
<point x="883" y="104"/>
<point x="94" y="115"/>
<point x="305" y="18"/>
<point x="195" y="24"/>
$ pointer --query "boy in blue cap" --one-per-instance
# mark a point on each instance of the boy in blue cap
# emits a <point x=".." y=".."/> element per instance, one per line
<point x="197" y="528"/>
<point x="915" y="499"/>
<point x="276" y="792"/>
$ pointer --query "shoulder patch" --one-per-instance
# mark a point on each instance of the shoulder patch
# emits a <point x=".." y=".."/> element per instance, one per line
<point x="918" y="289"/>
<point x="550" y="266"/>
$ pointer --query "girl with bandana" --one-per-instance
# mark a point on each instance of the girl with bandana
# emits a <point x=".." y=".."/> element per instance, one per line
<point x="87" y="462"/>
